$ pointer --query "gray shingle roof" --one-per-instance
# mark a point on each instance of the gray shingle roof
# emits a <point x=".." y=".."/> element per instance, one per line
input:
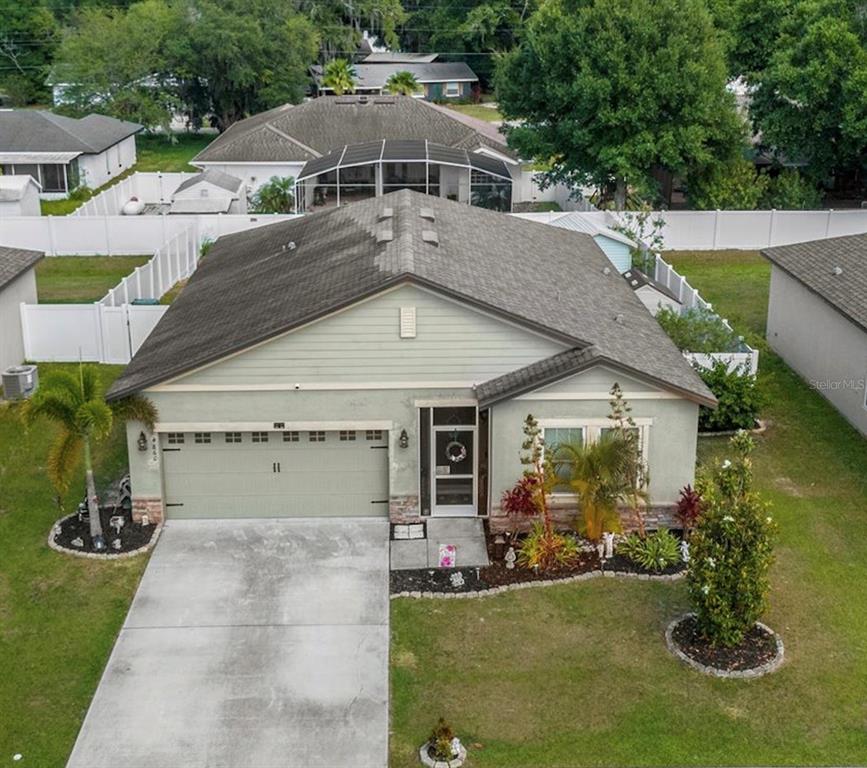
<point x="636" y="279"/>
<point x="213" y="176"/>
<point x="15" y="262"/>
<point x="254" y="286"/>
<point x="815" y="264"/>
<point x="376" y="74"/>
<point x="33" y="130"/>
<point x="300" y="132"/>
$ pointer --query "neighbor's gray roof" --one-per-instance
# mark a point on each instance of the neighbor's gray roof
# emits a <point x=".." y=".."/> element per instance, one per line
<point x="254" y="286"/>
<point x="396" y="57"/>
<point x="14" y="262"/>
<point x="213" y="176"/>
<point x="301" y="132"/>
<point x="376" y="75"/>
<point x="814" y="263"/>
<point x="33" y="130"/>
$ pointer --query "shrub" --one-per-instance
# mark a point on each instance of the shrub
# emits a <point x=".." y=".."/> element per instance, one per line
<point x="441" y="740"/>
<point x="545" y="550"/>
<point x="655" y="552"/>
<point x="739" y="396"/>
<point x="522" y="499"/>
<point x="791" y="191"/>
<point x="697" y="330"/>
<point x="731" y="550"/>
<point x="688" y="508"/>
<point x="734" y="184"/>
<point x="275" y="196"/>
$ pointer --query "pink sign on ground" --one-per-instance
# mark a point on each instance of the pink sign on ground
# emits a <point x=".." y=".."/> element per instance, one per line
<point x="447" y="555"/>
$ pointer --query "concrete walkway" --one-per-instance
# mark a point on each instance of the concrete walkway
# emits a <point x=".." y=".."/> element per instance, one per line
<point x="250" y="644"/>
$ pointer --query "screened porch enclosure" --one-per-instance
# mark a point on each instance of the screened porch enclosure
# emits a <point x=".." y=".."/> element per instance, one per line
<point x="359" y="171"/>
<point x="56" y="173"/>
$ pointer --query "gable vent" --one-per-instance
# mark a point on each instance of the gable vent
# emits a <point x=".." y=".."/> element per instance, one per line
<point x="429" y="236"/>
<point x="427" y="213"/>
<point x="384" y="235"/>
<point x="407" y="322"/>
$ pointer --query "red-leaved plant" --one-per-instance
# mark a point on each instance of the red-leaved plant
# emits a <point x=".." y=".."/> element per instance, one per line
<point x="521" y="500"/>
<point x="688" y="508"/>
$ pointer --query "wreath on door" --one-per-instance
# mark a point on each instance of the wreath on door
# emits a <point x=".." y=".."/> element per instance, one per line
<point x="456" y="452"/>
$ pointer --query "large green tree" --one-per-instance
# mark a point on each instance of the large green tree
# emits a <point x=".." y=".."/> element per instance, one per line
<point x="113" y="61"/>
<point x="28" y="35"/>
<point x="810" y="100"/>
<point x="608" y="91"/>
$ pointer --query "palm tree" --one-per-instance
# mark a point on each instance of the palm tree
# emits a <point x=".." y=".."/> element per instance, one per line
<point x="77" y="405"/>
<point x="339" y="76"/>
<point x="402" y="84"/>
<point x="277" y="195"/>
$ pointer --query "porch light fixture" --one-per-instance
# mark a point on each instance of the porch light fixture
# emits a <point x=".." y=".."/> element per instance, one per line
<point x="142" y="441"/>
<point x="403" y="439"/>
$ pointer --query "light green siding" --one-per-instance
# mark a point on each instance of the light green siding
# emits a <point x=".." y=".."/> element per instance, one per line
<point x="363" y="344"/>
<point x="617" y="252"/>
<point x="596" y="380"/>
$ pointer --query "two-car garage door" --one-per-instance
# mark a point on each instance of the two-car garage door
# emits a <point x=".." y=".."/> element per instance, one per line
<point x="275" y="473"/>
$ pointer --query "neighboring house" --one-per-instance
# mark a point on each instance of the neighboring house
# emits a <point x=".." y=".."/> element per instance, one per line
<point x="616" y="246"/>
<point x="63" y="153"/>
<point x="19" y="196"/>
<point x="17" y="286"/>
<point x="379" y="359"/>
<point x="653" y="294"/>
<point x="334" y="147"/>
<point x="817" y="318"/>
<point x="210" y="192"/>
<point x="439" y="80"/>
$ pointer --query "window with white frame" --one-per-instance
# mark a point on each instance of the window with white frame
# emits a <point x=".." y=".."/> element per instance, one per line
<point x="175" y="438"/>
<point x="453" y="89"/>
<point x="202" y="438"/>
<point x="260" y="437"/>
<point x="373" y="434"/>
<point x="347" y="435"/>
<point x="233" y="437"/>
<point x="291" y="437"/>
<point x="316" y="437"/>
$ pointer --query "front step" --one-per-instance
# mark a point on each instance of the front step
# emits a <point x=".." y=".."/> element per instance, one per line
<point x="467" y="534"/>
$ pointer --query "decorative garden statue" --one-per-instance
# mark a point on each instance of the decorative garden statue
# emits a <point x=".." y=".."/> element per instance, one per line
<point x="608" y="540"/>
<point x="510" y="558"/>
<point x="684" y="551"/>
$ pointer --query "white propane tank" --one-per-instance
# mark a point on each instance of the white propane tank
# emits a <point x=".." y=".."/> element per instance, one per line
<point x="133" y="207"/>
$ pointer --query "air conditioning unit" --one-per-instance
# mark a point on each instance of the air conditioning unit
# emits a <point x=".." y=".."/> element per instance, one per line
<point x="20" y="381"/>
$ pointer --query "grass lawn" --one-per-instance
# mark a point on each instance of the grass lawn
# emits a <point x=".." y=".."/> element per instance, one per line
<point x="59" y="615"/>
<point x="479" y="111"/>
<point x="153" y="153"/>
<point x="578" y="675"/>
<point x="76" y="279"/>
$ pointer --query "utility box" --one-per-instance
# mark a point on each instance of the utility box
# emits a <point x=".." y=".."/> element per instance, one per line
<point x="20" y="381"/>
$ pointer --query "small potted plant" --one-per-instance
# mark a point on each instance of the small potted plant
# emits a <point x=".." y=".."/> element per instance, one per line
<point x="443" y="749"/>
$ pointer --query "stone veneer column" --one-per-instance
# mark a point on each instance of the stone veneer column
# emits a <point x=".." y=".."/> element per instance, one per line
<point x="147" y="505"/>
<point x="403" y="509"/>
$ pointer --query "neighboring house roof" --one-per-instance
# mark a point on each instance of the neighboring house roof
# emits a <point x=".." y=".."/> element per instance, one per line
<point x="213" y="176"/>
<point x="396" y="57"/>
<point x="833" y="269"/>
<point x="637" y="279"/>
<point x="15" y="262"/>
<point x="375" y="75"/>
<point x="34" y="130"/>
<point x="258" y="284"/>
<point x="13" y="188"/>
<point x="578" y="222"/>
<point x="301" y="132"/>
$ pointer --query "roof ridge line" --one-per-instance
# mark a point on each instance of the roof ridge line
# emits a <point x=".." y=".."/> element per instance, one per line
<point x="295" y="141"/>
<point x="47" y="115"/>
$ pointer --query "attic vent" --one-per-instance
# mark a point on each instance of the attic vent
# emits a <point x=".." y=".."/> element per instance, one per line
<point x="427" y="213"/>
<point x="290" y="246"/>
<point x="386" y="213"/>
<point x="838" y="271"/>
<point x="429" y="236"/>
<point x="407" y="322"/>
<point x="384" y="235"/>
<point x="618" y="318"/>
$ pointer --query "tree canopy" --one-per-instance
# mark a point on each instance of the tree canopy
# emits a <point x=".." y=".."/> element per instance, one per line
<point x="610" y="90"/>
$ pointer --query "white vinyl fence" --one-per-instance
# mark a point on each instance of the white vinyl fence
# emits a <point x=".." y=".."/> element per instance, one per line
<point x="90" y="332"/>
<point x="147" y="187"/>
<point x="751" y="230"/>
<point x="745" y="360"/>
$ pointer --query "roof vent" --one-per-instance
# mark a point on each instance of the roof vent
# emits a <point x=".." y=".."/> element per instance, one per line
<point x="386" y="213"/>
<point x="427" y="213"/>
<point x="619" y="318"/>
<point x="429" y="236"/>
<point x="606" y="270"/>
<point x="837" y="271"/>
<point x="384" y="236"/>
<point x="290" y="246"/>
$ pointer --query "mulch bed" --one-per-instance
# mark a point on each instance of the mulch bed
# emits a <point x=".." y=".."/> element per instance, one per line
<point x="496" y="574"/>
<point x="132" y="536"/>
<point x="758" y="648"/>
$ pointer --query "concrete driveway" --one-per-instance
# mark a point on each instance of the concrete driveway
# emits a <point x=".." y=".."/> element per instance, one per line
<point x="250" y="644"/>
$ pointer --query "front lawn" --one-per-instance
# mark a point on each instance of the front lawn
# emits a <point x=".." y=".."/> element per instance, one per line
<point x="59" y="615"/>
<point x="77" y="279"/>
<point x="153" y="153"/>
<point x="479" y="111"/>
<point x="578" y="675"/>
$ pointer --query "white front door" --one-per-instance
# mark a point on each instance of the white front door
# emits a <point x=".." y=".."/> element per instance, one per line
<point x="453" y="461"/>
